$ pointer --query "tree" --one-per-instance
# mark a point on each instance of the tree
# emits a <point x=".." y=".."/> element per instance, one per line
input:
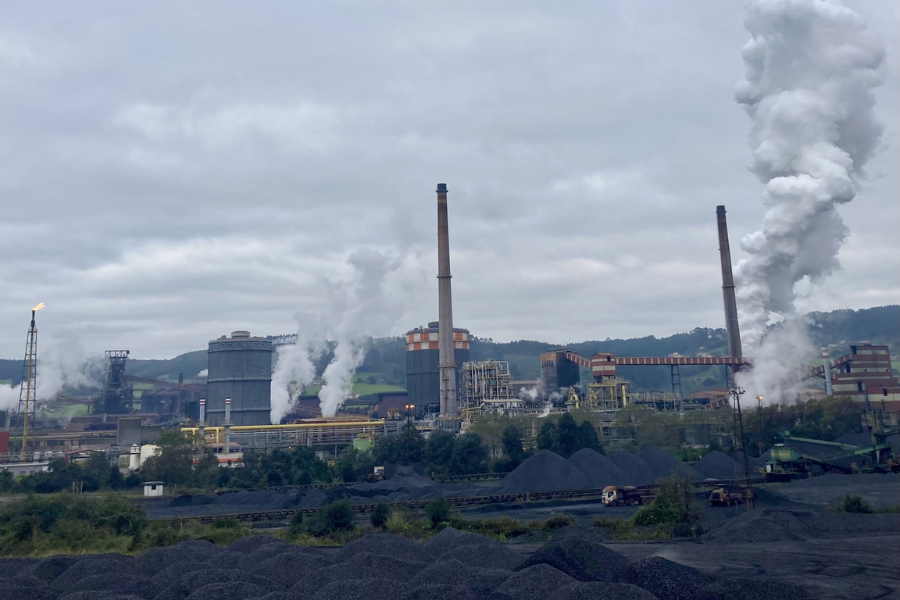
<point x="491" y="432"/>
<point x="470" y="455"/>
<point x="334" y="517"/>
<point x="439" y="452"/>
<point x="512" y="446"/>
<point x="411" y="448"/>
<point x="567" y="436"/>
<point x="587" y="437"/>
<point x="438" y="512"/>
<point x="380" y="515"/>
<point x="173" y="461"/>
<point x="546" y="437"/>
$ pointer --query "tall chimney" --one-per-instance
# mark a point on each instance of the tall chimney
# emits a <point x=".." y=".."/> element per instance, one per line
<point x="446" y="361"/>
<point x="731" y="314"/>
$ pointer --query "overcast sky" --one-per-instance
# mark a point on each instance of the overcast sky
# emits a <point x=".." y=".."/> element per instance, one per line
<point x="172" y="171"/>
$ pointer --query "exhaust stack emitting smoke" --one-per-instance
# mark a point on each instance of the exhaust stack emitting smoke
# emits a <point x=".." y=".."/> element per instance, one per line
<point x="811" y="66"/>
<point x="360" y="308"/>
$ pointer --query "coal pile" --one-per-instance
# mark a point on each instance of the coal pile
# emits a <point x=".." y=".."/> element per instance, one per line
<point x="580" y="559"/>
<point x="717" y="465"/>
<point x="598" y="470"/>
<point x="545" y="471"/>
<point x="661" y="464"/>
<point x="451" y="538"/>
<point x="359" y="589"/>
<point x="635" y="470"/>
<point x="535" y="583"/>
<point x="390" y="544"/>
<point x="453" y="572"/>
<point x="665" y="579"/>
<point x="490" y="555"/>
<point x="778" y="524"/>
<point x="437" y="591"/>
<point x="602" y="591"/>
<point x="384" y="566"/>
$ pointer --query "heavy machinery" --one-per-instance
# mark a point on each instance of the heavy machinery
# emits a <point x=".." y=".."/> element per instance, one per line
<point x="723" y="497"/>
<point x="823" y="457"/>
<point x="627" y="495"/>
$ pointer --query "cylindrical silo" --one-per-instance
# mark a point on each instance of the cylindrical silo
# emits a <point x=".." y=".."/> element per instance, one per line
<point x="423" y="381"/>
<point x="240" y="368"/>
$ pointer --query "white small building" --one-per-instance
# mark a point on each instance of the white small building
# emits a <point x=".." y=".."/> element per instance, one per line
<point x="153" y="489"/>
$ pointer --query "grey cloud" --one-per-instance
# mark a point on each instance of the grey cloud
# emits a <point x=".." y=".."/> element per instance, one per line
<point x="171" y="172"/>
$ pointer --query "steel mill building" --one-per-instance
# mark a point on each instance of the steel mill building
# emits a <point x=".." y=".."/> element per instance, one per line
<point x="422" y="364"/>
<point x="240" y="368"/>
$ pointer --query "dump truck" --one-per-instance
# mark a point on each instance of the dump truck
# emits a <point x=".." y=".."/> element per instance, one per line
<point x="722" y="497"/>
<point x="625" y="495"/>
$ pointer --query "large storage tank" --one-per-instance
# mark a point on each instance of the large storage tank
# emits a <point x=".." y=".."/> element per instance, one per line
<point x="240" y="368"/>
<point x="423" y="381"/>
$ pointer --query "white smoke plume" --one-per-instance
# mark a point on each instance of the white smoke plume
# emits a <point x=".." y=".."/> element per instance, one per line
<point x="203" y="373"/>
<point x="778" y="370"/>
<point x="370" y="311"/>
<point x="530" y="394"/>
<point x="359" y="308"/>
<point x="295" y="365"/>
<point x="63" y="364"/>
<point x="811" y="66"/>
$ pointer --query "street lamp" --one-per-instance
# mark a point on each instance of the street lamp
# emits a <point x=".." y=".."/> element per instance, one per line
<point x="409" y="408"/>
<point x="760" y="400"/>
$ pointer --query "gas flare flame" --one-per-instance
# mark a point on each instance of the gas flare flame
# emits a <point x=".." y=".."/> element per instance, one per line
<point x="38" y="307"/>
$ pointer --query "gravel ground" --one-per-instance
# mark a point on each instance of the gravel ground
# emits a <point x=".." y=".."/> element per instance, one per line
<point x="878" y="490"/>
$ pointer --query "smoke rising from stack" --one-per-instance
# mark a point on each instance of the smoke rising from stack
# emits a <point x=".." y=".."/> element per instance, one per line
<point x="61" y="364"/>
<point x="359" y="308"/>
<point x="811" y="66"/>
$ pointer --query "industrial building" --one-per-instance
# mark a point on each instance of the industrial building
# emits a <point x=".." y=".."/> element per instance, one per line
<point x="863" y="374"/>
<point x="423" y="380"/>
<point x="240" y="368"/>
<point x="486" y="387"/>
<point x="116" y="397"/>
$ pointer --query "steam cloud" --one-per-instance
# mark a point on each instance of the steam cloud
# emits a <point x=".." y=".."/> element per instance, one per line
<point x="62" y="364"/>
<point x="360" y="308"/>
<point x="811" y="66"/>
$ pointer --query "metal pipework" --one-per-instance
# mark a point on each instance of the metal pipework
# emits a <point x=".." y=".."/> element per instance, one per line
<point x="446" y="359"/>
<point x="829" y="388"/>
<point x="227" y="424"/>
<point x="731" y="314"/>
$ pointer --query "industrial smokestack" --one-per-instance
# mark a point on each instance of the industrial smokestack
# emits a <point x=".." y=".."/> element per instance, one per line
<point x="829" y="389"/>
<point x="202" y="422"/>
<point x="227" y="424"/>
<point x="731" y="314"/>
<point x="446" y="362"/>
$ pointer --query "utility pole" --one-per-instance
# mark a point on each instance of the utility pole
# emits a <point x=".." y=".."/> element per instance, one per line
<point x="736" y="393"/>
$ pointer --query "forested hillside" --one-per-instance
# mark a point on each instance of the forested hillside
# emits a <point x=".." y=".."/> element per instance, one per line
<point x="386" y="357"/>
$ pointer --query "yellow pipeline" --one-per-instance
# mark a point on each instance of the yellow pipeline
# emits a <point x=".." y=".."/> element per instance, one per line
<point x="298" y="426"/>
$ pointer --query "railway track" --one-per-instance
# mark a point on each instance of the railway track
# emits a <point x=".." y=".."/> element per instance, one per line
<point x="455" y="502"/>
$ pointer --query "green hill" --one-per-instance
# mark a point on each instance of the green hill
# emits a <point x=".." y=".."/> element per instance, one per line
<point x="385" y="363"/>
